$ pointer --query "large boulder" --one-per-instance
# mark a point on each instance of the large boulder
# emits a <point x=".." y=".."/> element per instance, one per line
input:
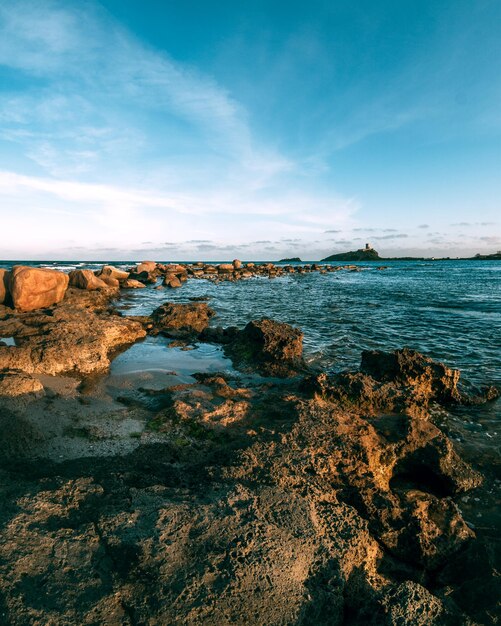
<point x="146" y="266"/>
<point x="112" y="272"/>
<point x="181" y="320"/>
<point x="3" y="285"/>
<point x="34" y="288"/>
<point x="86" y="279"/>
<point x="274" y="348"/>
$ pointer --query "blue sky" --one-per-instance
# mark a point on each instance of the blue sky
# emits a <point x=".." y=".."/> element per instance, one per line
<point x="204" y="129"/>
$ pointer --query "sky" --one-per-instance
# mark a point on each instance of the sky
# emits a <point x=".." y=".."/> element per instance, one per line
<point x="219" y="129"/>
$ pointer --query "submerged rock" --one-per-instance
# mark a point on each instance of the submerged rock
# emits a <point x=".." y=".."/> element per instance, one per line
<point x="34" y="288"/>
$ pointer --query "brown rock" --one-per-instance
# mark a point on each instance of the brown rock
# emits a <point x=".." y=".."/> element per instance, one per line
<point x="273" y="347"/>
<point x="146" y="266"/>
<point x="110" y="281"/>
<point x="86" y="279"/>
<point x="34" y="288"/>
<point x="80" y="336"/>
<point x="13" y="384"/>
<point x="225" y="268"/>
<point x="112" y="272"/>
<point x="237" y="264"/>
<point x="3" y="285"/>
<point x="131" y="283"/>
<point x="410" y="368"/>
<point x="172" y="281"/>
<point x="181" y="320"/>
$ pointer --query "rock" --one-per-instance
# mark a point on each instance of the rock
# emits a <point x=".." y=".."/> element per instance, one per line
<point x="86" y="279"/>
<point x="79" y="335"/>
<point x="181" y="320"/>
<point x="275" y="348"/>
<point x="13" y="384"/>
<point x="428" y="378"/>
<point x="237" y="264"/>
<point x="112" y="282"/>
<point x="171" y="281"/>
<point x="3" y="285"/>
<point x="33" y="288"/>
<point x="131" y="283"/>
<point x="225" y="268"/>
<point x="112" y="272"/>
<point x="144" y="277"/>
<point x="146" y="266"/>
<point x="411" y="603"/>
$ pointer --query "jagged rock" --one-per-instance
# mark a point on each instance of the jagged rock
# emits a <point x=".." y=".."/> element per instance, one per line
<point x="181" y="320"/>
<point x="429" y="378"/>
<point x="33" y="288"/>
<point x="86" y="279"/>
<point x="275" y="348"/>
<point x="14" y="384"/>
<point x="78" y="336"/>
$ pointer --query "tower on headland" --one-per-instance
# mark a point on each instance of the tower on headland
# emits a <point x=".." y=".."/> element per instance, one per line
<point x="368" y="246"/>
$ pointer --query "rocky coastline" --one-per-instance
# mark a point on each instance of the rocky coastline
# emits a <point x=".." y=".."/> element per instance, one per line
<point x="275" y="495"/>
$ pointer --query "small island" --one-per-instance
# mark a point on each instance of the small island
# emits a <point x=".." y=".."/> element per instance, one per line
<point x="294" y="259"/>
<point x="364" y="254"/>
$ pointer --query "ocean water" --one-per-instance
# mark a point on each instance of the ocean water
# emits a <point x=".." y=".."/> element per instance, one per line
<point x="449" y="310"/>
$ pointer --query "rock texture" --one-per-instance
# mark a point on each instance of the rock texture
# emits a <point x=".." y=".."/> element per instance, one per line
<point x="77" y="335"/>
<point x="181" y="320"/>
<point x="273" y="348"/>
<point x="33" y="288"/>
<point x="86" y="279"/>
<point x="257" y="505"/>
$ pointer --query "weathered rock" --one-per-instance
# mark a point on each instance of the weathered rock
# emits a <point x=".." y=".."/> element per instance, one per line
<point x="410" y="368"/>
<point x="34" y="288"/>
<point x="110" y="281"/>
<point x="13" y="384"/>
<point x="112" y="272"/>
<point x="146" y="266"/>
<point x="225" y="268"/>
<point x="80" y="335"/>
<point x="275" y="348"/>
<point x="3" y="285"/>
<point x="181" y="320"/>
<point x="130" y="283"/>
<point x="171" y="281"/>
<point x="237" y="264"/>
<point x="86" y="279"/>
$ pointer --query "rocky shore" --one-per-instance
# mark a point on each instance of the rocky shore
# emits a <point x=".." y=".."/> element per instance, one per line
<point x="275" y="495"/>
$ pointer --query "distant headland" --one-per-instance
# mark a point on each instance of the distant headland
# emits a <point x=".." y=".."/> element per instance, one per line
<point x="369" y="254"/>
